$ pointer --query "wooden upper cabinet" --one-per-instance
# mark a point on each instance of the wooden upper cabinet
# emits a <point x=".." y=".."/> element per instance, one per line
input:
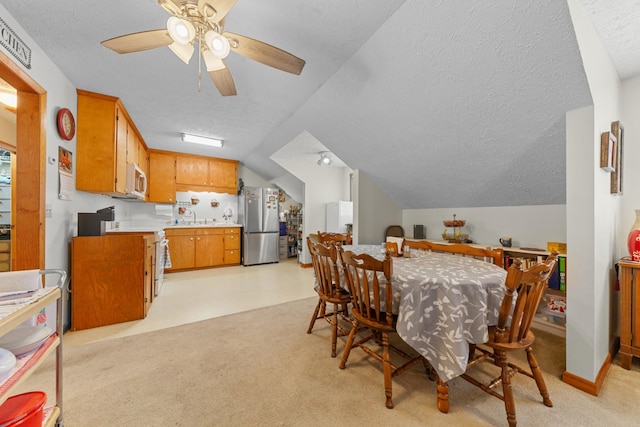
<point x="105" y="133"/>
<point x="198" y="173"/>
<point x="161" y="177"/>
<point x="192" y="170"/>
<point x="223" y="175"/>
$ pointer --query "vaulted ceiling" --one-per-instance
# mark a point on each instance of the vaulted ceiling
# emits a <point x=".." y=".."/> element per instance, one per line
<point x="442" y="103"/>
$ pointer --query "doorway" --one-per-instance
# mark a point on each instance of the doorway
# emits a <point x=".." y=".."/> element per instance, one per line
<point x="28" y="173"/>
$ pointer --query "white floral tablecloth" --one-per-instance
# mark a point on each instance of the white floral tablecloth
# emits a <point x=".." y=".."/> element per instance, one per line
<point x="443" y="303"/>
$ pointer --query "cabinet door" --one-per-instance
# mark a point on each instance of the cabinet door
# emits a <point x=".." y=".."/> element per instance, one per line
<point x="95" y="144"/>
<point x="231" y="239"/>
<point x="161" y="178"/>
<point x="149" y="276"/>
<point x="132" y="145"/>
<point x="192" y="170"/>
<point x="223" y="175"/>
<point x="182" y="251"/>
<point x="209" y="250"/>
<point x="121" y="151"/>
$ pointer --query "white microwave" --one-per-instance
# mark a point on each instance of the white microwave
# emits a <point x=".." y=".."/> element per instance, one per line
<point x="136" y="181"/>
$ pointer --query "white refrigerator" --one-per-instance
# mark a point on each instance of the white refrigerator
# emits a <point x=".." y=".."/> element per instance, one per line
<point x="339" y="214"/>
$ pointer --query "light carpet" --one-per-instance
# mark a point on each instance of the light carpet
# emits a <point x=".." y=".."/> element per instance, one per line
<point x="261" y="368"/>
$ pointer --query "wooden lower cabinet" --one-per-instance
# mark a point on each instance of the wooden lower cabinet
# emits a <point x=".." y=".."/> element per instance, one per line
<point x="182" y="248"/>
<point x="202" y="247"/>
<point x="232" y="246"/>
<point x="209" y="247"/>
<point x="111" y="279"/>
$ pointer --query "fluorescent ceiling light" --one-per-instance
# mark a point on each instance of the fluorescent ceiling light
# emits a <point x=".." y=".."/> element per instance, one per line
<point x="213" y="142"/>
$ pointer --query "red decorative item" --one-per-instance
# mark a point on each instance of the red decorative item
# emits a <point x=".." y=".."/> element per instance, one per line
<point x="633" y="241"/>
<point x="66" y="124"/>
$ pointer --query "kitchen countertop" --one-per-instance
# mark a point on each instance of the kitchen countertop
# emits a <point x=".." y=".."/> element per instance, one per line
<point x="154" y="227"/>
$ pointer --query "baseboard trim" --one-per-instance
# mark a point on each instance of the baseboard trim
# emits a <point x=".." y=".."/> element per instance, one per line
<point x="306" y="265"/>
<point x="593" y="387"/>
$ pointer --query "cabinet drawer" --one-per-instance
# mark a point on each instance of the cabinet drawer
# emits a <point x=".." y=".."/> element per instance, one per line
<point x="5" y="217"/>
<point x="234" y="230"/>
<point x="179" y="232"/>
<point x="5" y="204"/>
<point x="231" y="241"/>
<point x="232" y="257"/>
<point x="5" y="192"/>
<point x="208" y="231"/>
<point x="5" y="245"/>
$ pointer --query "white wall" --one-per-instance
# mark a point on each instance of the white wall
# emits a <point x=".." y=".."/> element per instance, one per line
<point x="592" y="212"/>
<point x="373" y="211"/>
<point x="528" y="226"/>
<point x="322" y="185"/>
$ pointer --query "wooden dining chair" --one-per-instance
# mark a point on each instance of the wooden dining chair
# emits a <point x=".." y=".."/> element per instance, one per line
<point x="394" y="231"/>
<point x="372" y="300"/>
<point x="513" y="333"/>
<point x="342" y="238"/>
<point x="330" y="291"/>
<point x="495" y="256"/>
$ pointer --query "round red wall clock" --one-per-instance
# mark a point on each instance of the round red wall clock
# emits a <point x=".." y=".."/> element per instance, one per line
<point x="66" y="124"/>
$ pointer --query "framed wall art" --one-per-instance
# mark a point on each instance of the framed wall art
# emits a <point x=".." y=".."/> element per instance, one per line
<point x="616" y="176"/>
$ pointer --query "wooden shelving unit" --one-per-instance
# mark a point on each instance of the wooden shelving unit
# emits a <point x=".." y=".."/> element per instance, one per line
<point x="26" y="364"/>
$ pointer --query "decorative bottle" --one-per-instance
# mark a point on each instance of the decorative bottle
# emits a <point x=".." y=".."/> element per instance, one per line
<point x="633" y="241"/>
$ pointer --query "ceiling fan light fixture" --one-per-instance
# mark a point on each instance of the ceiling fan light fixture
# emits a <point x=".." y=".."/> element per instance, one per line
<point x="182" y="51"/>
<point x="217" y="44"/>
<point x="180" y="30"/>
<point x="325" y="159"/>
<point x="212" y="62"/>
<point x="195" y="139"/>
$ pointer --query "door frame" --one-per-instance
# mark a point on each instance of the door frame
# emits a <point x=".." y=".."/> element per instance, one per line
<point x="29" y="183"/>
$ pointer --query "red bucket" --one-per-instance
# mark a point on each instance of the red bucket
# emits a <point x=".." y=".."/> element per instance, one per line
<point x="23" y="410"/>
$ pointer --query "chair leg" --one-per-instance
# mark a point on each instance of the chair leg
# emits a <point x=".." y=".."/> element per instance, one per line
<point x="315" y="315"/>
<point x="386" y="367"/>
<point x="334" y="331"/>
<point x="507" y="391"/>
<point x="443" y="396"/>
<point x="347" y="347"/>
<point x="537" y="375"/>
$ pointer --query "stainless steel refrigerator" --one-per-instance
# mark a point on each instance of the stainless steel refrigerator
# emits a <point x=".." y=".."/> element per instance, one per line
<point x="258" y="214"/>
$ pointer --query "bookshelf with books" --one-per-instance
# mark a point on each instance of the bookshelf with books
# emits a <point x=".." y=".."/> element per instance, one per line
<point x="551" y="314"/>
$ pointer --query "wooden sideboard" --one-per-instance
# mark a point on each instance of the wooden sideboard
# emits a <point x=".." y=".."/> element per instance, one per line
<point x="629" y="312"/>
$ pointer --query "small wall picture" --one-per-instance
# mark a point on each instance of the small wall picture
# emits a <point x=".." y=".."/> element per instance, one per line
<point x="65" y="163"/>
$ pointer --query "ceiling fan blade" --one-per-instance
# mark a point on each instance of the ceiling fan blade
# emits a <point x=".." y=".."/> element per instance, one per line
<point x="215" y="10"/>
<point x="265" y="53"/>
<point x="136" y="42"/>
<point x="223" y="81"/>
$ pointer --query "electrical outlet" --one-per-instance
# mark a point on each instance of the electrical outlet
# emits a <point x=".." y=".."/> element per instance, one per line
<point x="48" y="211"/>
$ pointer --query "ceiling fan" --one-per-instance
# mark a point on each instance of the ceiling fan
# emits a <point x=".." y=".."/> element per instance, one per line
<point x="202" y="22"/>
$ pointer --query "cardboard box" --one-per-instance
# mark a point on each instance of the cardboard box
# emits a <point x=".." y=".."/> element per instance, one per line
<point x="561" y="248"/>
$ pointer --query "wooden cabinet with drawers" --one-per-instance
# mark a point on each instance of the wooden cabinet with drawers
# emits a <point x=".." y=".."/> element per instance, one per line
<point x="232" y="246"/>
<point x="203" y="247"/>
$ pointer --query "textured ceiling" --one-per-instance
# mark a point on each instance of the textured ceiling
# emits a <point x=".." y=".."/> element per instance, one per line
<point x="443" y="103"/>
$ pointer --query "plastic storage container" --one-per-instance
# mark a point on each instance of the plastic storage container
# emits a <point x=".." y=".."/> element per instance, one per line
<point x="23" y="410"/>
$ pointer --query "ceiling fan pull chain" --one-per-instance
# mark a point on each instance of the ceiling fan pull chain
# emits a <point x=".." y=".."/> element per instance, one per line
<point x="199" y="65"/>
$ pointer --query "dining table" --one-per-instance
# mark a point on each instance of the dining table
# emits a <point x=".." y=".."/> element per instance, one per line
<point x="443" y="303"/>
